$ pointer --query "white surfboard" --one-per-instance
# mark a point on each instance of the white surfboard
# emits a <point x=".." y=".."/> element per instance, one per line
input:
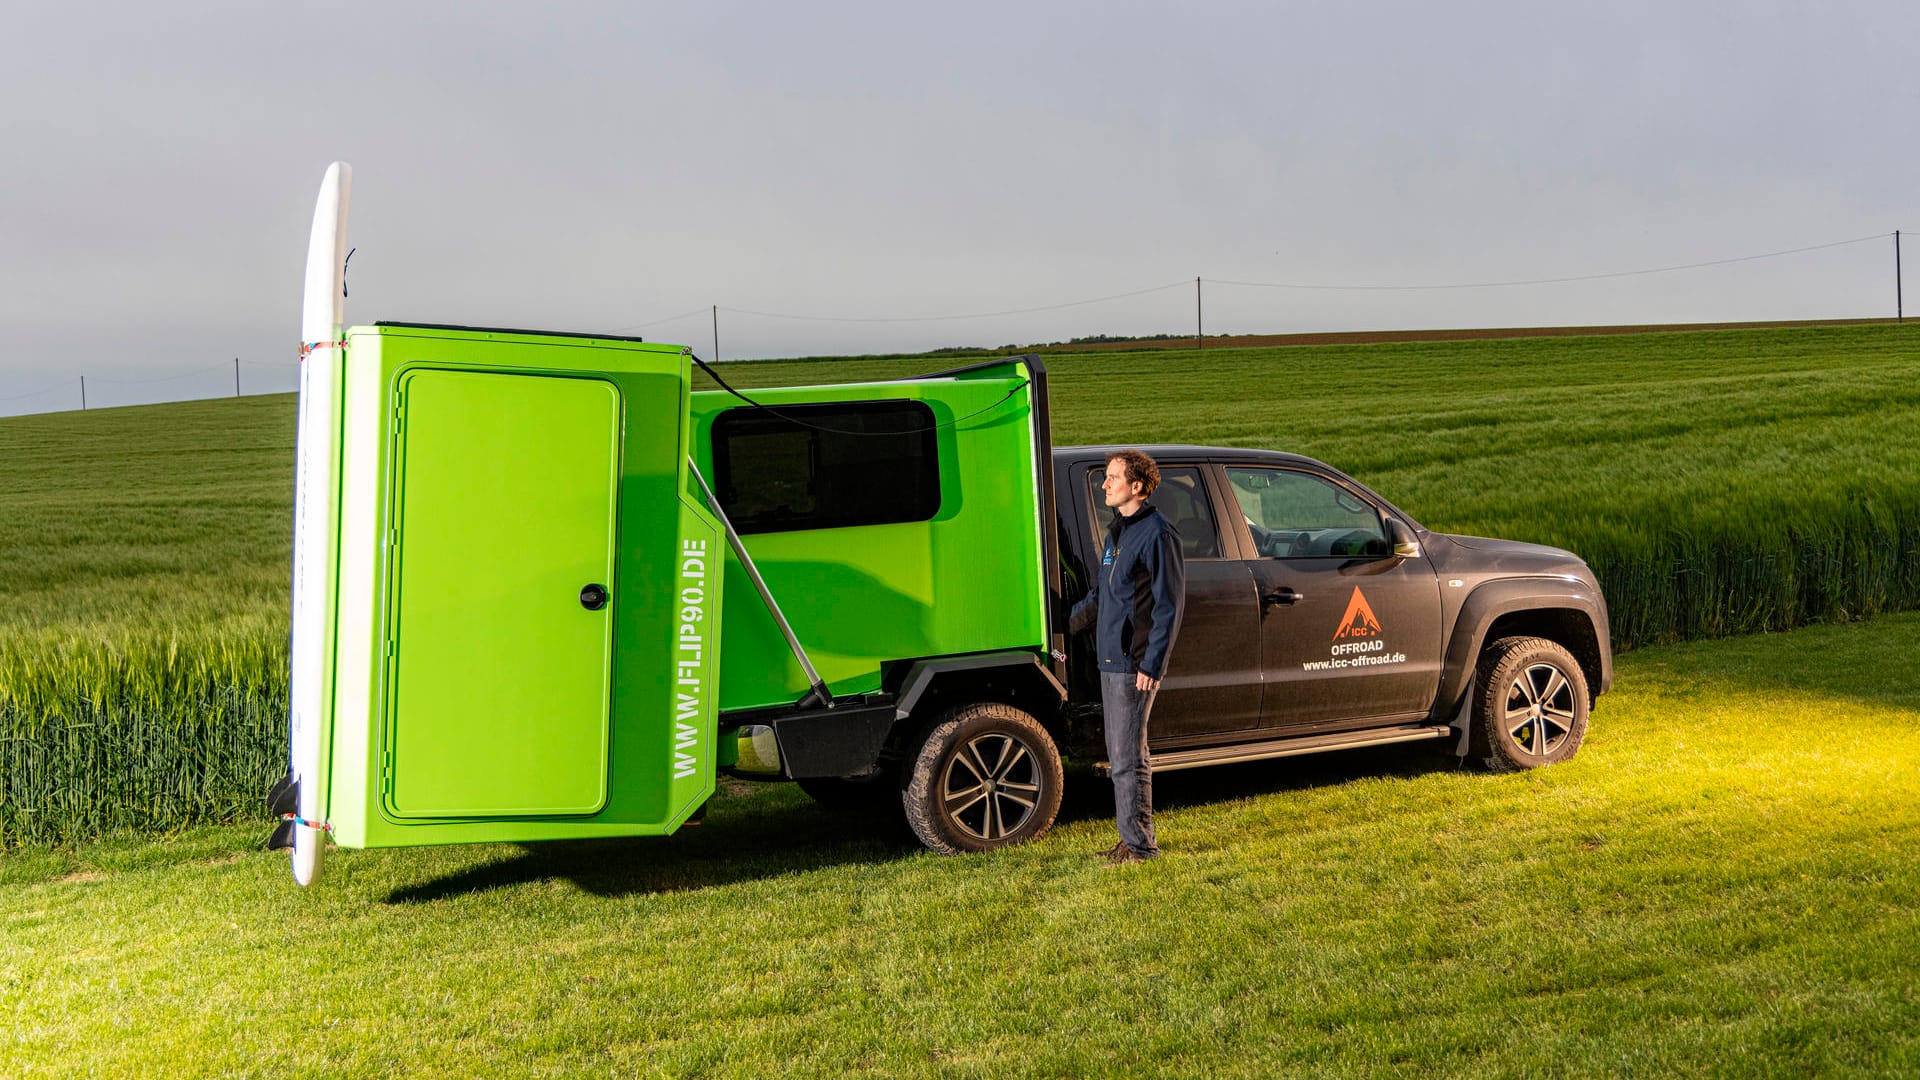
<point x="313" y="504"/>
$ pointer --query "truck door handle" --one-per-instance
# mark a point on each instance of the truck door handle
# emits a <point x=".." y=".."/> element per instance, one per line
<point x="1284" y="596"/>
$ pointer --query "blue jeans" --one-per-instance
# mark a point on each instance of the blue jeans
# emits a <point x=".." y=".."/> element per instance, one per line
<point x="1125" y="710"/>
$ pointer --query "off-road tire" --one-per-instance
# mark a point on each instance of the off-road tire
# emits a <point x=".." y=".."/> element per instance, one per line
<point x="948" y="800"/>
<point x="1531" y="705"/>
<point x="867" y="792"/>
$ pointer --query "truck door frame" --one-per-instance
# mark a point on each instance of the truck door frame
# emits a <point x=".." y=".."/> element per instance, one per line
<point x="1291" y="702"/>
<point x="1226" y="707"/>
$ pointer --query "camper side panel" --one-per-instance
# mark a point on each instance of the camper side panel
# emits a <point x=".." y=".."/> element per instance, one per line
<point x="958" y="577"/>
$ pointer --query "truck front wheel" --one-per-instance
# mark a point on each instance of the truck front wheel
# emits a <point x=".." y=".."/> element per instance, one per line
<point x="986" y="776"/>
<point x="1532" y="704"/>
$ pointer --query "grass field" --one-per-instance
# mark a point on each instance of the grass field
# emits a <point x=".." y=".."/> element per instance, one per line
<point x="1719" y="481"/>
<point x="1721" y="883"/>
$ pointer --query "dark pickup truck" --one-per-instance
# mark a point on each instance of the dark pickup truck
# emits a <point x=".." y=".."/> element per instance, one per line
<point x="1318" y="617"/>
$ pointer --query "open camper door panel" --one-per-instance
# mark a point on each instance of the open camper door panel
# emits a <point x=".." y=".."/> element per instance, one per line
<point x="524" y="640"/>
<point x="500" y="642"/>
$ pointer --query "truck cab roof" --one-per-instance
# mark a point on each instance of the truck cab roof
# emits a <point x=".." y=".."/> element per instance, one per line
<point x="1185" y="451"/>
<point x="1067" y="456"/>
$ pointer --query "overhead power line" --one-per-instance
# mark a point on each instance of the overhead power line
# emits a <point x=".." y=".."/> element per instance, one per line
<point x="657" y="322"/>
<point x="222" y="366"/>
<point x="1195" y="283"/>
<point x="68" y="385"/>
<point x="1181" y="284"/>
<point x="1546" y="281"/>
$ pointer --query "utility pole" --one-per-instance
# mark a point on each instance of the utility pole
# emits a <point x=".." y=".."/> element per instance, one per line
<point x="236" y="376"/>
<point x="1199" y="321"/>
<point x="1899" y="315"/>
<point x="716" y="333"/>
<point x="83" y="393"/>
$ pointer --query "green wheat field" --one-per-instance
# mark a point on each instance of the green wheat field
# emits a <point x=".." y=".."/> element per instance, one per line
<point x="1720" y="482"/>
<point x="1722" y="883"/>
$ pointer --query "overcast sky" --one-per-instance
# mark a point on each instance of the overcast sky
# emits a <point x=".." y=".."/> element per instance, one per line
<point x="610" y="166"/>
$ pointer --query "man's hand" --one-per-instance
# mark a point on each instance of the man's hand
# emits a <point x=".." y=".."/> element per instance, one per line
<point x="1144" y="682"/>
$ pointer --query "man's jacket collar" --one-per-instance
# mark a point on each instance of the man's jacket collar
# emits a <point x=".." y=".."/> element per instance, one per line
<point x="1121" y="521"/>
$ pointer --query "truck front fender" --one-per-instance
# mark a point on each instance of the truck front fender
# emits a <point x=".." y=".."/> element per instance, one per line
<point x="1566" y="607"/>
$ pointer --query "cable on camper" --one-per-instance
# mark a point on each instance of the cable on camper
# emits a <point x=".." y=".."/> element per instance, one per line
<point x="715" y="376"/>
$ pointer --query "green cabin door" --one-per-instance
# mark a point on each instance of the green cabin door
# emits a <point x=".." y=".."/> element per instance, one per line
<point x="499" y="667"/>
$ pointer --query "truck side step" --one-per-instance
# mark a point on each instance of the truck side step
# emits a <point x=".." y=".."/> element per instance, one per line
<point x="1278" y="748"/>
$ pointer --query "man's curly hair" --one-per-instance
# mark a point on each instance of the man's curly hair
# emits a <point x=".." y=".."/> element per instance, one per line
<point x="1140" y="469"/>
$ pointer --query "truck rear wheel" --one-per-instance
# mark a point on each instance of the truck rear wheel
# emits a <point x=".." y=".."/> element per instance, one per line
<point x="986" y="776"/>
<point x="1532" y="706"/>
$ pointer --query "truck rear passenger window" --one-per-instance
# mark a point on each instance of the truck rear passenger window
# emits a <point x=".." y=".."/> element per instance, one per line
<point x="826" y="466"/>
<point x="1182" y="499"/>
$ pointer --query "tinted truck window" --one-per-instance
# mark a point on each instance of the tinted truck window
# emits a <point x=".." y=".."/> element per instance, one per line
<point x="826" y="466"/>
<point x="1298" y="515"/>
<point x="1182" y="499"/>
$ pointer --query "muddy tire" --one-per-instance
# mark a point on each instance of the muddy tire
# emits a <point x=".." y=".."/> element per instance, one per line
<point x="986" y="776"/>
<point x="1531" y="706"/>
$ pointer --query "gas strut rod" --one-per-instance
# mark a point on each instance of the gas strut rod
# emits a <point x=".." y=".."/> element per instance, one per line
<point x="820" y="692"/>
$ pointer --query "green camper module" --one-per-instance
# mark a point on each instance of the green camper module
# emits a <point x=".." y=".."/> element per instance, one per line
<point x="563" y="587"/>
<point x="543" y="590"/>
<point x="525" y="591"/>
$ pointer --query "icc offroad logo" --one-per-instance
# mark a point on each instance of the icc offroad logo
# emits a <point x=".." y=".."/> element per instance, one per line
<point x="1362" y="647"/>
<point x="1358" y="621"/>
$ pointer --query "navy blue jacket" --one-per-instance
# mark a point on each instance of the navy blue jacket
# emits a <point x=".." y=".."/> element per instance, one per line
<point x="1138" y="594"/>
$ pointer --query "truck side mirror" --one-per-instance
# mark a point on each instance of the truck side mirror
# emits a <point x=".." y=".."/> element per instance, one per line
<point x="1405" y="544"/>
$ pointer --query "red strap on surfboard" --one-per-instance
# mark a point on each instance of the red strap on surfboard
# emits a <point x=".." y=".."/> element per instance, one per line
<point x="313" y="346"/>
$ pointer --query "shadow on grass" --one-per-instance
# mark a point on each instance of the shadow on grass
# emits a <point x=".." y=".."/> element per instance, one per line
<point x="747" y="838"/>
<point x="772" y="831"/>
<point x="1089" y="796"/>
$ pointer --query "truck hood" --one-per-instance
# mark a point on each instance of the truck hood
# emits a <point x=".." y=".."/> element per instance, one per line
<point x="1471" y="555"/>
<point x="1511" y="547"/>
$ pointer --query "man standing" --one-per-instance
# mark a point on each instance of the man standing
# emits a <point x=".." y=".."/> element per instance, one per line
<point x="1135" y="606"/>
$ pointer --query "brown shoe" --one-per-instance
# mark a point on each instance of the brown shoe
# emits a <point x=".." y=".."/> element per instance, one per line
<point x="1113" y="852"/>
<point x="1123" y="855"/>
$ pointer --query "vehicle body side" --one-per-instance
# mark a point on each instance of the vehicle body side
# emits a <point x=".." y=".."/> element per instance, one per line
<point x="1481" y="591"/>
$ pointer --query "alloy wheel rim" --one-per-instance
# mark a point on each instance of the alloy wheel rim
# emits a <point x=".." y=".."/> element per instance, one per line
<point x="1539" y="709"/>
<point x="991" y="786"/>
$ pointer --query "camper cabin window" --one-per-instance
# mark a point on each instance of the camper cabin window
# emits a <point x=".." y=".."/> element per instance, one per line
<point x="826" y="466"/>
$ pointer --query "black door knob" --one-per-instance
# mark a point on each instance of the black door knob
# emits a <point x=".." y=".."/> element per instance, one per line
<point x="593" y="597"/>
